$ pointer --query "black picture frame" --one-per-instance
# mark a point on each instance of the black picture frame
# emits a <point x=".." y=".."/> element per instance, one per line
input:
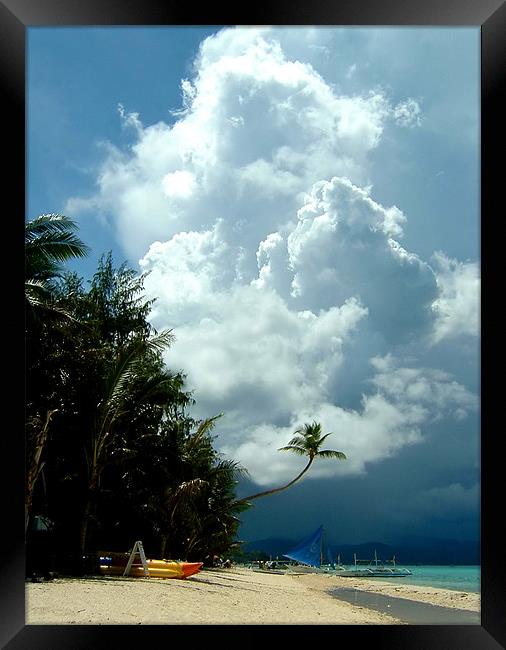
<point x="490" y="15"/>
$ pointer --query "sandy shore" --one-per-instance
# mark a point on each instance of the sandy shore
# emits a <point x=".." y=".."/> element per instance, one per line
<point x="218" y="596"/>
<point x="432" y="595"/>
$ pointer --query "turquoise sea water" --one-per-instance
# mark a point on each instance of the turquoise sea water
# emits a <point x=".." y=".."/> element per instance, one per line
<point x="459" y="578"/>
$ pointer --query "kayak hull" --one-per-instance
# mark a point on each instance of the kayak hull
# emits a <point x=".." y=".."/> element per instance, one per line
<point x="115" y="566"/>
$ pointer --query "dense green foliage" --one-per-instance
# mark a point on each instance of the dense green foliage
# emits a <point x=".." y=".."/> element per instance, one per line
<point x="112" y="454"/>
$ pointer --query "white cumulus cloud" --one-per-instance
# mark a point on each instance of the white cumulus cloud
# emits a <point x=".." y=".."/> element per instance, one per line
<point x="256" y="130"/>
<point x="408" y="113"/>
<point x="280" y="272"/>
<point x="179" y="184"/>
<point x="388" y="419"/>
<point x="457" y="307"/>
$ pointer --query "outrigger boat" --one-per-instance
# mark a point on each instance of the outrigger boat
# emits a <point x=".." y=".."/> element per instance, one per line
<point x="273" y="566"/>
<point x="374" y="569"/>
<point x="308" y="555"/>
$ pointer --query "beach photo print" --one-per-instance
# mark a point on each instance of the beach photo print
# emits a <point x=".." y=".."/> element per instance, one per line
<point x="282" y="232"/>
<point x="252" y="317"/>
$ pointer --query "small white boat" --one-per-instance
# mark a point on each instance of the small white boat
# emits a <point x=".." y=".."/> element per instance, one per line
<point x="269" y="566"/>
<point x="375" y="569"/>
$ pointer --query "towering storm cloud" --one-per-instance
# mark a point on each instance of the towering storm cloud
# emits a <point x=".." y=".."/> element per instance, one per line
<point x="283" y="275"/>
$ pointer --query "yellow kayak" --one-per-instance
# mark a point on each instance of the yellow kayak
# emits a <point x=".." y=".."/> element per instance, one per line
<point x="114" y="565"/>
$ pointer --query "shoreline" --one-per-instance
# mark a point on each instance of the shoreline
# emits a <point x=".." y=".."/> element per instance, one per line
<point x="437" y="596"/>
<point x="221" y="597"/>
<point x="410" y="604"/>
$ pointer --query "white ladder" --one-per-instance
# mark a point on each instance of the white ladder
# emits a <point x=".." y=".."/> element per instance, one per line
<point x="137" y="549"/>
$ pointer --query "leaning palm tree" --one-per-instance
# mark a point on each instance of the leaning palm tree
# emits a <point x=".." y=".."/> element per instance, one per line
<point x="307" y="441"/>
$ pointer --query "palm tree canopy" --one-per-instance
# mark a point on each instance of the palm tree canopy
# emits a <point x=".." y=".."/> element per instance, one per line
<point x="308" y="440"/>
<point x="49" y="241"/>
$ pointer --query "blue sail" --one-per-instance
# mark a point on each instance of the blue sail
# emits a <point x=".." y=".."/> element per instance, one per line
<point x="308" y="551"/>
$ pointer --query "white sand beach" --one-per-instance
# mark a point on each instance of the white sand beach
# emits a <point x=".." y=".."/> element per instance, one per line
<point x="218" y="596"/>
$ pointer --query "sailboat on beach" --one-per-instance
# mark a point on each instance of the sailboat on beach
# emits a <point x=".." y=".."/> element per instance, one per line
<point x="310" y="554"/>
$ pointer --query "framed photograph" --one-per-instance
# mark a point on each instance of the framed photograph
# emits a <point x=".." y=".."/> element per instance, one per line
<point x="272" y="223"/>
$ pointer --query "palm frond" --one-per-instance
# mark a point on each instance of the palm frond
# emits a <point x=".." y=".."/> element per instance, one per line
<point x="296" y="450"/>
<point x="238" y="471"/>
<point x="183" y="495"/>
<point x="160" y="341"/>
<point x="37" y="295"/>
<point x="128" y="367"/>
<point x="58" y="248"/>
<point x="227" y="467"/>
<point x="323" y="438"/>
<point x="297" y="441"/>
<point x="328" y="453"/>
<point x="44" y="222"/>
<point x="121" y="374"/>
<point x="40" y="299"/>
<point x="203" y="428"/>
<point x="51" y="238"/>
<point x="190" y="489"/>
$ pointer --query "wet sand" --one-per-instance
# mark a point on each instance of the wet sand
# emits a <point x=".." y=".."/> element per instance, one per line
<point x="431" y="595"/>
<point x="409" y="611"/>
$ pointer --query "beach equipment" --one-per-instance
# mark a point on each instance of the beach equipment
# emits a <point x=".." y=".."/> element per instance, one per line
<point x="126" y="564"/>
<point x="155" y="568"/>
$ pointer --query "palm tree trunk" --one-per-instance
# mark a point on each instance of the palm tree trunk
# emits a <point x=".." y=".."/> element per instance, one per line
<point x="90" y="499"/>
<point x="84" y="527"/>
<point x="35" y="464"/>
<point x="163" y="545"/>
<point x="275" y="490"/>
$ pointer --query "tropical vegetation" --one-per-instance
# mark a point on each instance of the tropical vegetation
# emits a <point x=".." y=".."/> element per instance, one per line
<point x="113" y="454"/>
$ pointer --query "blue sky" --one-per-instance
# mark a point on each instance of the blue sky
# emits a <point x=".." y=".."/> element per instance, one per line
<point x="307" y="203"/>
<point x="75" y="79"/>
